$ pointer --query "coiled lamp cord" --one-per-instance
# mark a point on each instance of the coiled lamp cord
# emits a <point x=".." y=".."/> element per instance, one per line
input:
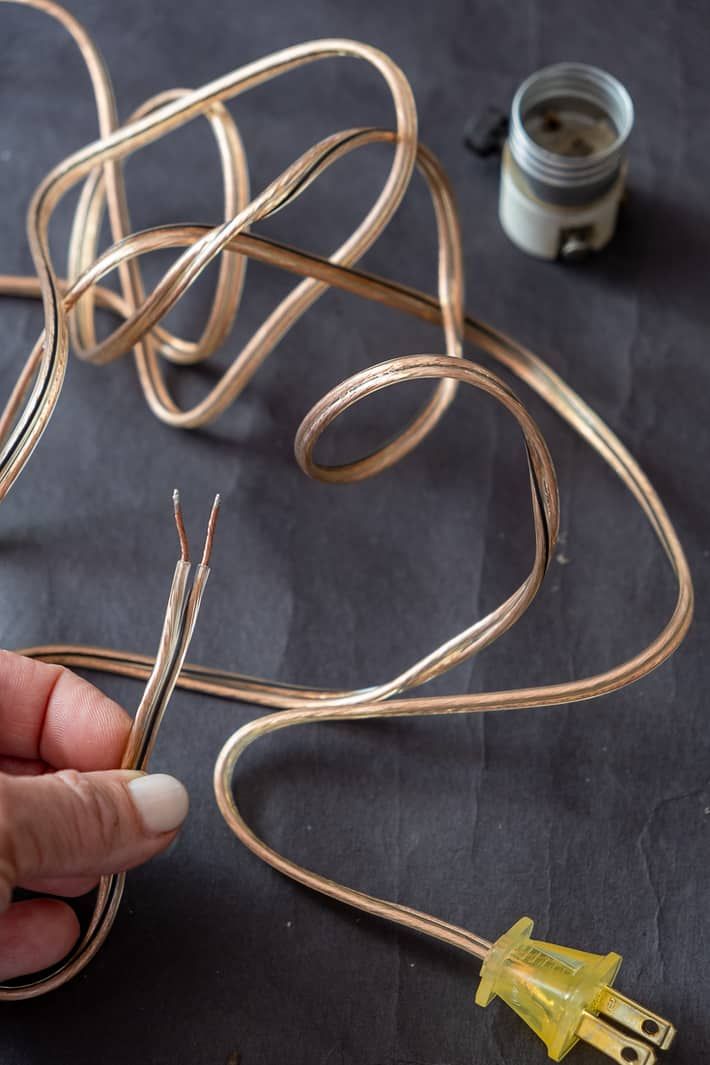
<point x="69" y="308"/>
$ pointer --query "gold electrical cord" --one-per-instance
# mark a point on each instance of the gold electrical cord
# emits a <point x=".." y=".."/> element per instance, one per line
<point x="178" y="626"/>
<point x="37" y="391"/>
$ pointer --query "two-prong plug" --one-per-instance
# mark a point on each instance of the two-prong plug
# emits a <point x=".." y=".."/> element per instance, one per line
<point x="563" y="994"/>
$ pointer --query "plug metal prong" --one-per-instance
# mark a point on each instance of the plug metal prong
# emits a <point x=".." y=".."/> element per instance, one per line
<point x="626" y="1012"/>
<point x="615" y="1044"/>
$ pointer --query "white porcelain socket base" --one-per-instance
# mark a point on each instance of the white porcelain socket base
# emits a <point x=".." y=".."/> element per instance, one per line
<point x="547" y="230"/>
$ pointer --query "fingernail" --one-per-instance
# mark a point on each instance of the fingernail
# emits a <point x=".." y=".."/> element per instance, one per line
<point x="161" y="801"/>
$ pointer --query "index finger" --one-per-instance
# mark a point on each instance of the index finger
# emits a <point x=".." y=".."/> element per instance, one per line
<point x="49" y="713"/>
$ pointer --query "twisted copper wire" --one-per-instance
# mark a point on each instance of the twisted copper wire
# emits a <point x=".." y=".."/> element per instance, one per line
<point x="37" y="391"/>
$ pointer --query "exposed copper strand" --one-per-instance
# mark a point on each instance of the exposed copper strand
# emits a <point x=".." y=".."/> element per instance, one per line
<point x="211" y="526"/>
<point x="180" y="525"/>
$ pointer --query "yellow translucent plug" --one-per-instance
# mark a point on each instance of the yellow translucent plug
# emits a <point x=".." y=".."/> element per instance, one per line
<point x="560" y="993"/>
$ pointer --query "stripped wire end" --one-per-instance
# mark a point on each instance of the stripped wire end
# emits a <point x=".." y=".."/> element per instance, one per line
<point x="180" y="525"/>
<point x="211" y="525"/>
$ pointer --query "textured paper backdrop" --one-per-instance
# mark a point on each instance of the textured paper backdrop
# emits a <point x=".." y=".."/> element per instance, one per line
<point x="593" y="819"/>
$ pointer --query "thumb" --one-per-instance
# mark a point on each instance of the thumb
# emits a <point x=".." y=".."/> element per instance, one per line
<point x="70" y="824"/>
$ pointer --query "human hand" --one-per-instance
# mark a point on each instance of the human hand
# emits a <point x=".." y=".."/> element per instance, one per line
<point x="67" y="815"/>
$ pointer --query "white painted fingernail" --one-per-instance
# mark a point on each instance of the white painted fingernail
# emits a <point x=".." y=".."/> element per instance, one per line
<point x="161" y="801"/>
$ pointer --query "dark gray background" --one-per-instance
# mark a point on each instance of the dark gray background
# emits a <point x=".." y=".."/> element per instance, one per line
<point x="593" y="819"/>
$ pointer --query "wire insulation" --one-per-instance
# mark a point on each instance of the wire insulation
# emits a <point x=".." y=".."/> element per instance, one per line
<point x="69" y="309"/>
